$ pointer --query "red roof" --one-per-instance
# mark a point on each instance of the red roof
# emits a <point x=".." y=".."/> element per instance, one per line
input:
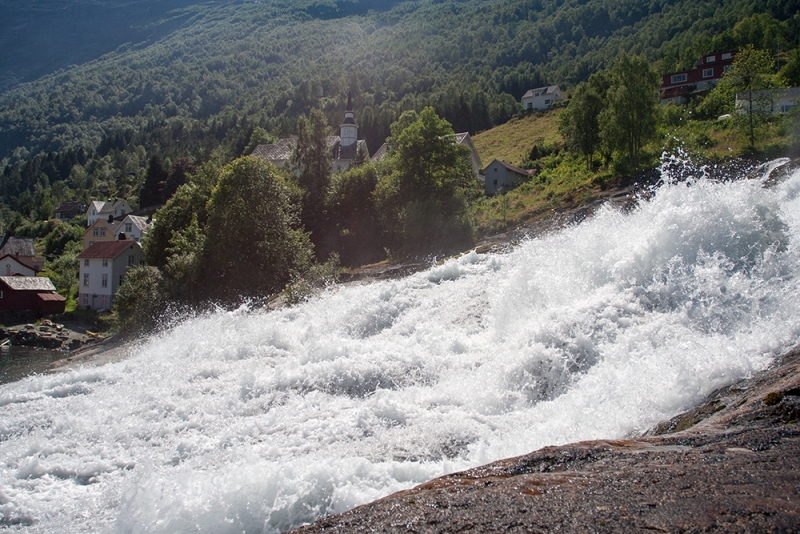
<point x="107" y="249"/>
<point x="54" y="297"/>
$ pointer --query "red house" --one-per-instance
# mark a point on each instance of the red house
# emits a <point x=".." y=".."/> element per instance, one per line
<point x="37" y="293"/>
<point x="675" y="87"/>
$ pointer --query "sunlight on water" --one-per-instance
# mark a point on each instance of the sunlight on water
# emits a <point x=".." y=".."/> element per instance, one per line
<point x="258" y="422"/>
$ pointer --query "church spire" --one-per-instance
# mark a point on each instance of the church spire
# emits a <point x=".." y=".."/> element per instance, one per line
<point x="348" y="130"/>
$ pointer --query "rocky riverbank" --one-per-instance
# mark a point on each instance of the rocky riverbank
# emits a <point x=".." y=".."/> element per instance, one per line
<point x="46" y="335"/>
<point x="730" y="465"/>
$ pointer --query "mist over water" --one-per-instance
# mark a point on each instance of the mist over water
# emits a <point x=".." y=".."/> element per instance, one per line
<point x="259" y="422"/>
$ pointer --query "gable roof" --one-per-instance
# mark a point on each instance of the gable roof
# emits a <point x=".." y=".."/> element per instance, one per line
<point x="17" y="246"/>
<point x="111" y="206"/>
<point x="107" y="249"/>
<point x="17" y="260"/>
<point x="28" y="283"/>
<point x="280" y="151"/>
<point x="69" y="206"/>
<point x="103" y="222"/>
<point x="550" y="89"/>
<point x="138" y="222"/>
<point x="97" y="205"/>
<point x="512" y="168"/>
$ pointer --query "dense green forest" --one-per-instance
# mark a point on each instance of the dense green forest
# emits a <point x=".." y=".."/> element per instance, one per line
<point x="196" y="80"/>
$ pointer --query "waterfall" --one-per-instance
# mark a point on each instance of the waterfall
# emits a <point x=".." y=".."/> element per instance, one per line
<point x="248" y="421"/>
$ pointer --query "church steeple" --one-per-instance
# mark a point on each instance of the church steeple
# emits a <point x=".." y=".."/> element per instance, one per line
<point x="348" y="130"/>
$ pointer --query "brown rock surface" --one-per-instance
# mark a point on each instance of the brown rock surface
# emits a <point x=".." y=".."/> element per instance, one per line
<point x="730" y="465"/>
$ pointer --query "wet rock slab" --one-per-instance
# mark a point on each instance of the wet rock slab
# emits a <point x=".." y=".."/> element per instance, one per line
<point x="730" y="465"/>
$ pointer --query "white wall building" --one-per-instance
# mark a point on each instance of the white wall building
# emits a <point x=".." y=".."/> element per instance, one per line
<point x="102" y="268"/>
<point x="133" y="227"/>
<point x="772" y="101"/>
<point x="542" y="97"/>
<point x="502" y="177"/>
<point x="99" y="209"/>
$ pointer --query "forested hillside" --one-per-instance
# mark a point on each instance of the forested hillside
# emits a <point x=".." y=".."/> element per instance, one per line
<point x="197" y="80"/>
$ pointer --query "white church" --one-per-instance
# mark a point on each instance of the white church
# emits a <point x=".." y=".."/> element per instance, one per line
<point x="344" y="147"/>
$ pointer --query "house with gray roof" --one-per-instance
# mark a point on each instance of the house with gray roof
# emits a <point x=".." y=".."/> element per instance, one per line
<point x="502" y="177"/>
<point x="37" y="293"/>
<point x="21" y="249"/>
<point x="541" y="97"/>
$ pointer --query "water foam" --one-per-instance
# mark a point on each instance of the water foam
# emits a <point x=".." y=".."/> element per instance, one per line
<point x="259" y="422"/>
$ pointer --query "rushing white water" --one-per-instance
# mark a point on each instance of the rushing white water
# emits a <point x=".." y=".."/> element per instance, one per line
<point x="251" y="422"/>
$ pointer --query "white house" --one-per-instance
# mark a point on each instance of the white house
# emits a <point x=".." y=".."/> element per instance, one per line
<point x="502" y="177"/>
<point x="542" y="97"/>
<point x="102" y="268"/>
<point x="778" y="100"/>
<point x="133" y="227"/>
<point x="99" y="209"/>
<point x="9" y="266"/>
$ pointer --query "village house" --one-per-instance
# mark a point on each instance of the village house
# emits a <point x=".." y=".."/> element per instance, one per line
<point x="771" y="101"/>
<point x="21" y="249"/>
<point x="99" y="209"/>
<point x="10" y="266"/>
<point x="460" y="139"/>
<point x="102" y="268"/>
<point x="69" y="210"/>
<point x="502" y="177"/>
<point x="101" y="230"/>
<point x="709" y="69"/>
<point x="541" y="98"/>
<point x="36" y="293"/>
<point x="133" y="227"/>
<point x="343" y="147"/>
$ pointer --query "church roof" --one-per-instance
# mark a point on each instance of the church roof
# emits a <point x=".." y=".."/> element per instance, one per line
<point x="280" y="151"/>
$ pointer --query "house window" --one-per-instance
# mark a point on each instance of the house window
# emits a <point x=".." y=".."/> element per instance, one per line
<point x="536" y="95"/>
<point x="678" y="78"/>
<point x="104" y="282"/>
<point x="105" y="300"/>
<point x="128" y="227"/>
<point x="727" y="68"/>
<point x="530" y="105"/>
<point x="86" y="262"/>
<point x="95" y="232"/>
<point x="85" y="279"/>
<point x="102" y="232"/>
<point x="120" y="279"/>
<point x="711" y="59"/>
<point x="1" y="294"/>
<point x="105" y="262"/>
<point x="708" y="73"/>
<point x="130" y="260"/>
<point x="8" y="268"/>
<point x="86" y="299"/>
<point x="495" y="182"/>
<point x="785" y="108"/>
<point x="726" y="55"/>
<point x="547" y="102"/>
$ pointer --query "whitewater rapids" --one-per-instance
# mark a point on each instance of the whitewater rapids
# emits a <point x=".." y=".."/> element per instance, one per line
<point x="258" y="422"/>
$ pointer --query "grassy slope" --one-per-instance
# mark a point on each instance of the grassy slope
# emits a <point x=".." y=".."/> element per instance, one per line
<point x="512" y="142"/>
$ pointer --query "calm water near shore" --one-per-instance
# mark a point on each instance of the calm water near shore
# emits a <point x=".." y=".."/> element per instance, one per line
<point x="18" y="362"/>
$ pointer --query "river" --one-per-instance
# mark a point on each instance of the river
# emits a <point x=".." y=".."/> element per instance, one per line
<point x="247" y="421"/>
